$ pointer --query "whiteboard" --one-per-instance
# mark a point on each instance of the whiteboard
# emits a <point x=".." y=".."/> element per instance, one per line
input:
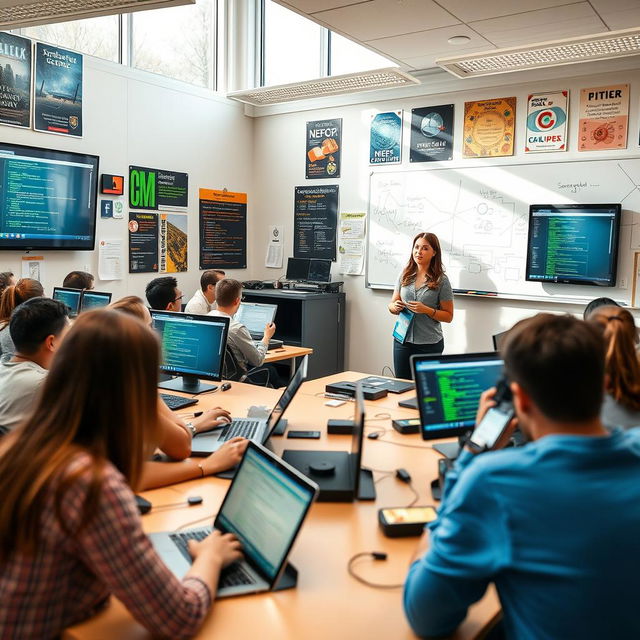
<point x="481" y="216"/>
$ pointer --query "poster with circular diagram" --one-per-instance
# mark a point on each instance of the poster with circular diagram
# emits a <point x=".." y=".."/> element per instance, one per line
<point x="489" y="127"/>
<point x="431" y="134"/>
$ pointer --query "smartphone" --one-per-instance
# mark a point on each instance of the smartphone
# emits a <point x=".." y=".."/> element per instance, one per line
<point x="405" y="521"/>
<point x="315" y="435"/>
<point x="495" y="421"/>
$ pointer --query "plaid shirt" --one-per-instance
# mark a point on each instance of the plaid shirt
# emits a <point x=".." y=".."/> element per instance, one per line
<point x="69" y="579"/>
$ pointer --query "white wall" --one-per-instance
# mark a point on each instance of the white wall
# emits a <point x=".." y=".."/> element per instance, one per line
<point x="279" y="155"/>
<point x="134" y="117"/>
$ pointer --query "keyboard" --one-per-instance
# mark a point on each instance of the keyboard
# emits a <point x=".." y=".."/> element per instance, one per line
<point x="273" y="344"/>
<point x="177" y="402"/>
<point x="245" y="429"/>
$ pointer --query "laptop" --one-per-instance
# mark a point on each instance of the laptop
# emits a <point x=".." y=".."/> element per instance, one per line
<point x="265" y="507"/>
<point x="70" y="297"/>
<point x="94" y="300"/>
<point x="255" y="429"/>
<point x="256" y="316"/>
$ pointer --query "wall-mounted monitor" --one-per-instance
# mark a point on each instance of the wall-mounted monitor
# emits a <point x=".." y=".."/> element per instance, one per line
<point x="47" y="199"/>
<point x="573" y="243"/>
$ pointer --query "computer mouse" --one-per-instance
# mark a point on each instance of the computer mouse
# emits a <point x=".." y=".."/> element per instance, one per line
<point x="225" y="387"/>
<point x="373" y="436"/>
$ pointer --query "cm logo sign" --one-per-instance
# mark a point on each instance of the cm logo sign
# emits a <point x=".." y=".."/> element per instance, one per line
<point x="142" y="189"/>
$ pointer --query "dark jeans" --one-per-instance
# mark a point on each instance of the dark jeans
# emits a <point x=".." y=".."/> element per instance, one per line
<point x="403" y="352"/>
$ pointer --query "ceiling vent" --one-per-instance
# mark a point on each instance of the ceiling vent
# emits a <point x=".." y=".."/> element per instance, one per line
<point x="17" y="13"/>
<point x="330" y="86"/>
<point x="602" y="46"/>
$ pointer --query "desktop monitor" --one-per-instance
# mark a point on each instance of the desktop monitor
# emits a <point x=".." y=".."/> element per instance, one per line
<point x="297" y="269"/>
<point x="94" y="300"/>
<point x="256" y="316"/>
<point x="449" y="389"/>
<point x="193" y="347"/>
<point x="498" y="340"/>
<point x="573" y="243"/>
<point x="70" y="297"/>
<point x="319" y="270"/>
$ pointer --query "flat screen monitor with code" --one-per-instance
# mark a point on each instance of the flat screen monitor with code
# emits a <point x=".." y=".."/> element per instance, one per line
<point x="70" y="297"/>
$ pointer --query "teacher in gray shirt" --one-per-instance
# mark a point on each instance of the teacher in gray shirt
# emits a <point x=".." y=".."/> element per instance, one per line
<point x="424" y="290"/>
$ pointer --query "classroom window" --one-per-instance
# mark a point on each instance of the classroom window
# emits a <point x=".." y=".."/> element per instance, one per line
<point x="177" y="42"/>
<point x="97" y="37"/>
<point x="350" y="57"/>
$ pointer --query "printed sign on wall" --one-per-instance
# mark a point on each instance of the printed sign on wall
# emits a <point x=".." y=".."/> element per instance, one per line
<point x="431" y="134"/>
<point x="15" y="80"/>
<point x="604" y="118"/>
<point x="324" y="142"/>
<point x="547" y="122"/>
<point x="385" y="145"/>
<point x="489" y="127"/>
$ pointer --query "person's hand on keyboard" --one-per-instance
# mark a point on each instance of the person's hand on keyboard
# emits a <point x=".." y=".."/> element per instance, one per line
<point x="212" y="419"/>
<point x="227" y="456"/>
<point x="217" y="549"/>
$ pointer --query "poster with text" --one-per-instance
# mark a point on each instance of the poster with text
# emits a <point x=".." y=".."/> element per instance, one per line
<point x="223" y="229"/>
<point x="173" y="243"/>
<point x="489" y="128"/>
<point x="385" y="142"/>
<point x="15" y="80"/>
<point x="604" y="118"/>
<point x="324" y="142"/>
<point x="315" y="222"/>
<point x="431" y="134"/>
<point x="547" y="115"/>
<point x="58" y="91"/>
<point x="143" y="242"/>
<point x="157" y="189"/>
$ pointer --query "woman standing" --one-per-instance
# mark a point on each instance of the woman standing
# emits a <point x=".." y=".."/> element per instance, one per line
<point x="423" y="289"/>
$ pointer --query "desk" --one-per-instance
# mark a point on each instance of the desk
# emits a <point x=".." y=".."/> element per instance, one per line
<point x="327" y="603"/>
<point x="287" y="352"/>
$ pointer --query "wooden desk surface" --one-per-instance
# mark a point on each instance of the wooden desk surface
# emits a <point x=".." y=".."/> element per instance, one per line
<point x="327" y="603"/>
<point x="286" y="352"/>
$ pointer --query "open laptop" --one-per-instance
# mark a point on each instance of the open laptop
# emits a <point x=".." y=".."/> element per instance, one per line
<point x="256" y="429"/>
<point x="94" y="300"/>
<point x="265" y="507"/>
<point x="256" y="316"/>
<point x="70" y="297"/>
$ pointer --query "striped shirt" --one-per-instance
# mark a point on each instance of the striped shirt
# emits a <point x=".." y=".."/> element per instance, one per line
<point x="70" y="578"/>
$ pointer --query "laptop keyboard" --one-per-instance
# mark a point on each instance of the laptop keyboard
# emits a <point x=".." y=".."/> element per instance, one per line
<point x="246" y="429"/>
<point x="181" y="540"/>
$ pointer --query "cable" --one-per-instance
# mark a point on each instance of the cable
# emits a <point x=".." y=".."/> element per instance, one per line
<point x="391" y="373"/>
<point x="376" y="555"/>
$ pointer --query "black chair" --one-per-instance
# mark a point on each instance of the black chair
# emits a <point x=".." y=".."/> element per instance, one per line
<point x="232" y="370"/>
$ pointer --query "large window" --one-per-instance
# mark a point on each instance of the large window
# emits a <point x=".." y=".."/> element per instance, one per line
<point x="349" y="57"/>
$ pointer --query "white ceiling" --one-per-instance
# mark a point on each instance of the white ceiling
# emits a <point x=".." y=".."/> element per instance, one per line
<point x="415" y="32"/>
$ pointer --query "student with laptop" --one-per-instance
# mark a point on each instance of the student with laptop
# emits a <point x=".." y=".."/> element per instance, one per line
<point x="163" y="294"/>
<point x="554" y="524"/>
<point x="12" y="296"/>
<point x="204" y="299"/>
<point x="78" y="280"/>
<point x="66" y="548"/>
<point x="37" y="328"/>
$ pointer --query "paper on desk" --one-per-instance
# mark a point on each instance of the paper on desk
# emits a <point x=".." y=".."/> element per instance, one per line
<point x="110" y="260"/>
<point x="274" y="247"/>
<point x="352" y="231"/>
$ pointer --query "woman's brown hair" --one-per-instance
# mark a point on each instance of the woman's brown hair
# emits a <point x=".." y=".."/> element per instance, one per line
<point x="131" y="305"/>
<point x="435" y="270"/>
<point x="16" y="294"/>
<point x="99" y="398"/>
<point x="621" y="363"/>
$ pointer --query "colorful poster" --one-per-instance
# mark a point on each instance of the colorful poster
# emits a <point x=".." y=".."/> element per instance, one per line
<point x="489" y="127"/>
<point x="173" y="243"/>
<point x="324" y="142"/>
<point x="315" y="222"/>
<point x="431" y="134"/>
<point x="223" y="229"/>
<point x="58" y="90"/>
<point x="386" y="138"/>
<point x="157" y="189"/>
<point x="143" y="242"/>
<point x="604" y="118"/>
<point x="547" y="122"/>
<point x="15" y="80"/>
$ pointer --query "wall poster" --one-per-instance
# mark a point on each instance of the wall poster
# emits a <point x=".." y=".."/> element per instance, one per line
<point x="143" y="242"/>
<point x="604" y="118"/>
<point x="15" y="80"/>
<point x="431" y="134"/>
<point x="315" y="222"/>
<point x="58" y="91"/>
<point x="223" y="229"/>
<point x="157" y="189"/>
<point x="173" y="243"/>
<point x="489" y="127"/>
<point x="324" y="141"/>
<point x="385" y="142"/>
<point x="547" y="115"/>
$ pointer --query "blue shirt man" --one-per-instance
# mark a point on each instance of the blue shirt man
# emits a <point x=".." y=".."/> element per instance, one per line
<point x="555" y="524"/>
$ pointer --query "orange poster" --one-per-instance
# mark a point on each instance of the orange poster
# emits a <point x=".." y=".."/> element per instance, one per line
<point x="489" y="127"/>
<point x="604" y="118"/>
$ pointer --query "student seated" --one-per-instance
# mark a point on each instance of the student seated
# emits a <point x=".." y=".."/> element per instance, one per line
<point x="621" y="407"/>
<point x="78" y="280"/>
<point x="163" y="294"/>
<point x="77" y="539"/>
<point x="204" y="299"/>
<point x="7" y="279"/>
<point x="175" y="435"/>
<point x="12" y="296"/>
<point x="247" y="352"/>
<point x="595" y="304"/>
<point x="37" y="328"/>
<point x="554" y="524"/>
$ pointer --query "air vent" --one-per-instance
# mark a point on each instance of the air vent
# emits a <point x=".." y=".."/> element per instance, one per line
<point x="601" y="46"/>
<point x="14" y="13"/>
<point x="333" y="86"/>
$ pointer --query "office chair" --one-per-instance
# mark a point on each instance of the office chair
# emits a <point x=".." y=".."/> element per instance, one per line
<point x="233" y="371"/>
